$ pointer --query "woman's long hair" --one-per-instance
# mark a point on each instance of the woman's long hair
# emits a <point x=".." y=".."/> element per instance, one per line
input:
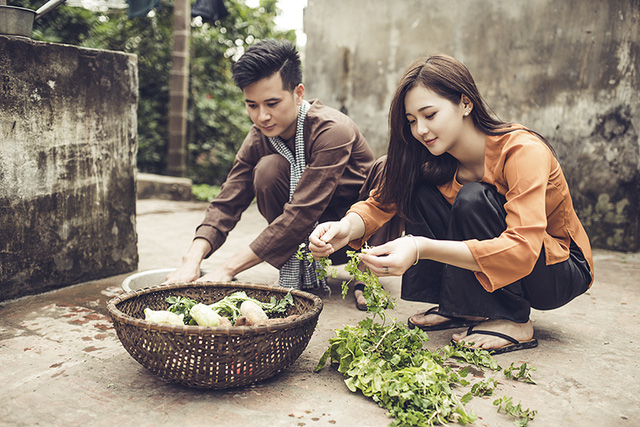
<point x="408" y="161"/>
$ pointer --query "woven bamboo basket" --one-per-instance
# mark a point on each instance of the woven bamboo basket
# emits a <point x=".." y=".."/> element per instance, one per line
<point x="213" y="357"/>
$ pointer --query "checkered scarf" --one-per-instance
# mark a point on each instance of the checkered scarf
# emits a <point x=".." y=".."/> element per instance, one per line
<point x="296" y="273"/>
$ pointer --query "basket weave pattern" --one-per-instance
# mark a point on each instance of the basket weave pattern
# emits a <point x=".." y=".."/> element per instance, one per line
<point x="213" y="357"/>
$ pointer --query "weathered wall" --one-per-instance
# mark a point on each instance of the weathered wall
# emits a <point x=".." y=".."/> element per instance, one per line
<point x="569" y="69"/>
<point x="68" y="142"/>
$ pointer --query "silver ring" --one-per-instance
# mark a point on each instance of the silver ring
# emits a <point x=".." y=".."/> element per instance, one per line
<point x="386" y="270"/>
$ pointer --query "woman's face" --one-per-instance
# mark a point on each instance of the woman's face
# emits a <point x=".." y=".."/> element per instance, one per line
<point x="434" y="121"/>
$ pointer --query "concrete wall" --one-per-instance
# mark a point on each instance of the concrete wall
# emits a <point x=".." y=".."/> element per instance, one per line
<point x="68" y="143"/>
<point x="569" y="69"/>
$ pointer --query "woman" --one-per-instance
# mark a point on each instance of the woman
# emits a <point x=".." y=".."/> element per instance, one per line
<point x="490" y="227"/>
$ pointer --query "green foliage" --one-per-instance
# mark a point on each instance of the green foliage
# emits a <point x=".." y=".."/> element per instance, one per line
<point x="182" y="305"/>
<point x="484" y="388"/>
<point x="64" y="24"/>
<point x="324" y="268"/>
<point x="388" y="363"/>
<point x="378" y="300"/>
<point x="476" y="356"/>
<point x="522" y="416"/>
<point x="522" y="372"/>
<point x="217" y="120"/>
<point x="150" y="38"/>
<point x="205" y="192"/>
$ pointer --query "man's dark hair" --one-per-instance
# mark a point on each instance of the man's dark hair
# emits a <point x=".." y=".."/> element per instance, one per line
<point x="264" y="59"/>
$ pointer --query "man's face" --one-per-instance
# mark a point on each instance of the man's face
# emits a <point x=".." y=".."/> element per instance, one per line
<point x="273" y="109"/>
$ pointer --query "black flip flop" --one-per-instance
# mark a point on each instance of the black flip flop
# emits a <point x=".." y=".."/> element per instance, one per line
<point x="359" y="287"/>
<point x="514" y="346"/>
<point x="452" y="323"/>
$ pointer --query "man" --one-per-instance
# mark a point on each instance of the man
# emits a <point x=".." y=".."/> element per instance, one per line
<point x="304" y="162"/>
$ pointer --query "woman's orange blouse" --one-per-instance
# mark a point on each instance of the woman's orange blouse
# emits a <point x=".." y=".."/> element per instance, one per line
<point x="539" y="211"/>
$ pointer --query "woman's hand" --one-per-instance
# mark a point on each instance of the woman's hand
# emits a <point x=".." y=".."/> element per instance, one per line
<point x="328" y="237"/>
<point x="391" y="259"/>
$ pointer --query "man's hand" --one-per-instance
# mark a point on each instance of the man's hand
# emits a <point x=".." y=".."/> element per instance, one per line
<point x="184" y="273"/>
<point x="189" y="270"/>
<point x="237" y="263"/>
<point x="220" y="274"/>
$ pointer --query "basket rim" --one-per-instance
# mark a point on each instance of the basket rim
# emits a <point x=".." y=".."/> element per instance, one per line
<point x="213" y="330"/>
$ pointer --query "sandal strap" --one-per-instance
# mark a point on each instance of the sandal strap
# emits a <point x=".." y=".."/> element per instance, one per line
<point x="472" y="331"/>
<point x="358" y="287"/>
<point x="434" y="310"/>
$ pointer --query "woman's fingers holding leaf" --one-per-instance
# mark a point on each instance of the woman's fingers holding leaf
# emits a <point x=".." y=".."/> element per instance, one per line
<point x="377" y="259"/>
<point x="390" y="259"/>
<point x="378" y="250"/>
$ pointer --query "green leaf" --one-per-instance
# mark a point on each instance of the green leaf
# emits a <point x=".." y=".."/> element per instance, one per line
<point x="475" y="356"/>
<point x="182" y="305"/>
<point x="323" y="360"/>
<point x="522" y="372"/>
<point x="522" y="416"/>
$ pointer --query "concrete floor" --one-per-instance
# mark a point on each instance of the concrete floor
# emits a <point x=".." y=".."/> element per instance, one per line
<point x="62" y="364"/>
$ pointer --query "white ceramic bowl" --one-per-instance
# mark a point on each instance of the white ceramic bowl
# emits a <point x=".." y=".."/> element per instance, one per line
<point x="146" y="279"/>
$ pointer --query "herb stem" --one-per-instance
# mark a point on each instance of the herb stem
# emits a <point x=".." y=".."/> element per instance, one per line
<point x="388" y="331"/>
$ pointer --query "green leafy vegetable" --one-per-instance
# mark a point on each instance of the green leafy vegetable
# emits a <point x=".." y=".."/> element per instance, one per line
<point x="476" y="356"/>
<point x="523" y="372"/>
<point x="521" y="415"/>
<point x="484" y="388"/>
<point x="388" y="362"/>
<point x="378" y="300"/>
<point x="324" y="263"/>
<point x="229" y="306"/>
<point x="275" y="306"/>
<point x="182" y="305"/>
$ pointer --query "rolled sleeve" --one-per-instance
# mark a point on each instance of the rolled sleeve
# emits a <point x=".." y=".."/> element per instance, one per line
<point x="236" y="194"/>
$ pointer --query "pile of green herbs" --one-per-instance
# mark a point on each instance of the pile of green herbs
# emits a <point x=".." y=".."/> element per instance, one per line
<point x="387" y="361"/>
